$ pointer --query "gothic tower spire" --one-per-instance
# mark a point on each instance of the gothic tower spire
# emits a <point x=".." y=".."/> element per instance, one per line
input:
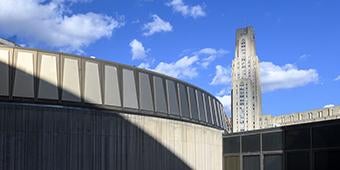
<point x="246" y="87"/>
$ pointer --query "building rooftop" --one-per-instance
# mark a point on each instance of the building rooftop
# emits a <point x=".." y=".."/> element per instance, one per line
<point x="8" y="43"/>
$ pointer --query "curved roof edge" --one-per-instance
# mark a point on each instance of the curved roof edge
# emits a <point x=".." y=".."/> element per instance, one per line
<point x="38" y="76"/>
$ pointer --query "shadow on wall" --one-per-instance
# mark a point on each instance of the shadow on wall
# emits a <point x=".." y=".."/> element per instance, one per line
<point x="54" y="137"/>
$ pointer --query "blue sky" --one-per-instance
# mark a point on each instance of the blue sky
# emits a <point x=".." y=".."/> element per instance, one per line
<point x="297" y="41"/>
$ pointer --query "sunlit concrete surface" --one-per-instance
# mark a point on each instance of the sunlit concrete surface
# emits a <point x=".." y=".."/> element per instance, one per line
<point x="198" y="146"/>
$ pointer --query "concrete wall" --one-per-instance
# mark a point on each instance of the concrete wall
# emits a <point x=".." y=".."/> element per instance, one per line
<point x="198" y="146"/>
<point x="40" y="137"/>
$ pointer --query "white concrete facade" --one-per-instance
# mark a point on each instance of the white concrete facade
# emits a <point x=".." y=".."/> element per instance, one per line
<point x="199" y="147"/>
<point x="246" y="88"/>
<point x="268" y="121"/>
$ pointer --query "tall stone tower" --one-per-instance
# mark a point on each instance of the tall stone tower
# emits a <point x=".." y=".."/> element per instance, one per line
<point x="246" y="87"/>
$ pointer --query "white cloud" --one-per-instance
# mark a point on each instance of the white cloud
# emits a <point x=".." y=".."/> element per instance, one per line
<point x="210" y="55"/>
<point x="52" y="24"/>
<point x="137" y="50"/>
<point x="186" y="10"/>
<point x="212" y="51"/>
<point x="329" y="105"/>
<point x="71" y="1"/>
<point x="222" y="76"/>
<point x="274" y="77"/>
<point x="206" y="61"/>
<point x="337" y="78"/>
<point x="188" y="66"/>
<point x="226" y="102"/>
<point x="222" y="92"/>
<point x="304" y="56"/>
<point x="144" y="65"/>
<point x="182" y="68"/>
<point x="157" y="25"/>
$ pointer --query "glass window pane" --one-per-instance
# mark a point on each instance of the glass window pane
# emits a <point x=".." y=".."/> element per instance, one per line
<point x="272" y="141"/>
<point x="160" y="102"/>
<point x="251" y="163"/>
<point x="327" y="160"/>
<point x="231" y="163"/>
<point x="324" y="136"/>
<point x="184" y="101"/>
<point x="231" y="144"/>
<point x="129" y="89"/>
<point x="193" y="103"/>
<point x="297" y="138"/>
<point x="172" y="97"/>
<point x="298" y="160"/>
<point x="251" y="143"/>
<point x="273" y="162"/>
<point x="145" y="97"/>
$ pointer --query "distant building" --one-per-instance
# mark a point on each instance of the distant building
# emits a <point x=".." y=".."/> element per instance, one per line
<point x="229" y="125"/>
<point x="246" y="87"/>
<point x="246" y="100"/>
<point x="268" y="121"/>
<point x="7" y="43"/>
